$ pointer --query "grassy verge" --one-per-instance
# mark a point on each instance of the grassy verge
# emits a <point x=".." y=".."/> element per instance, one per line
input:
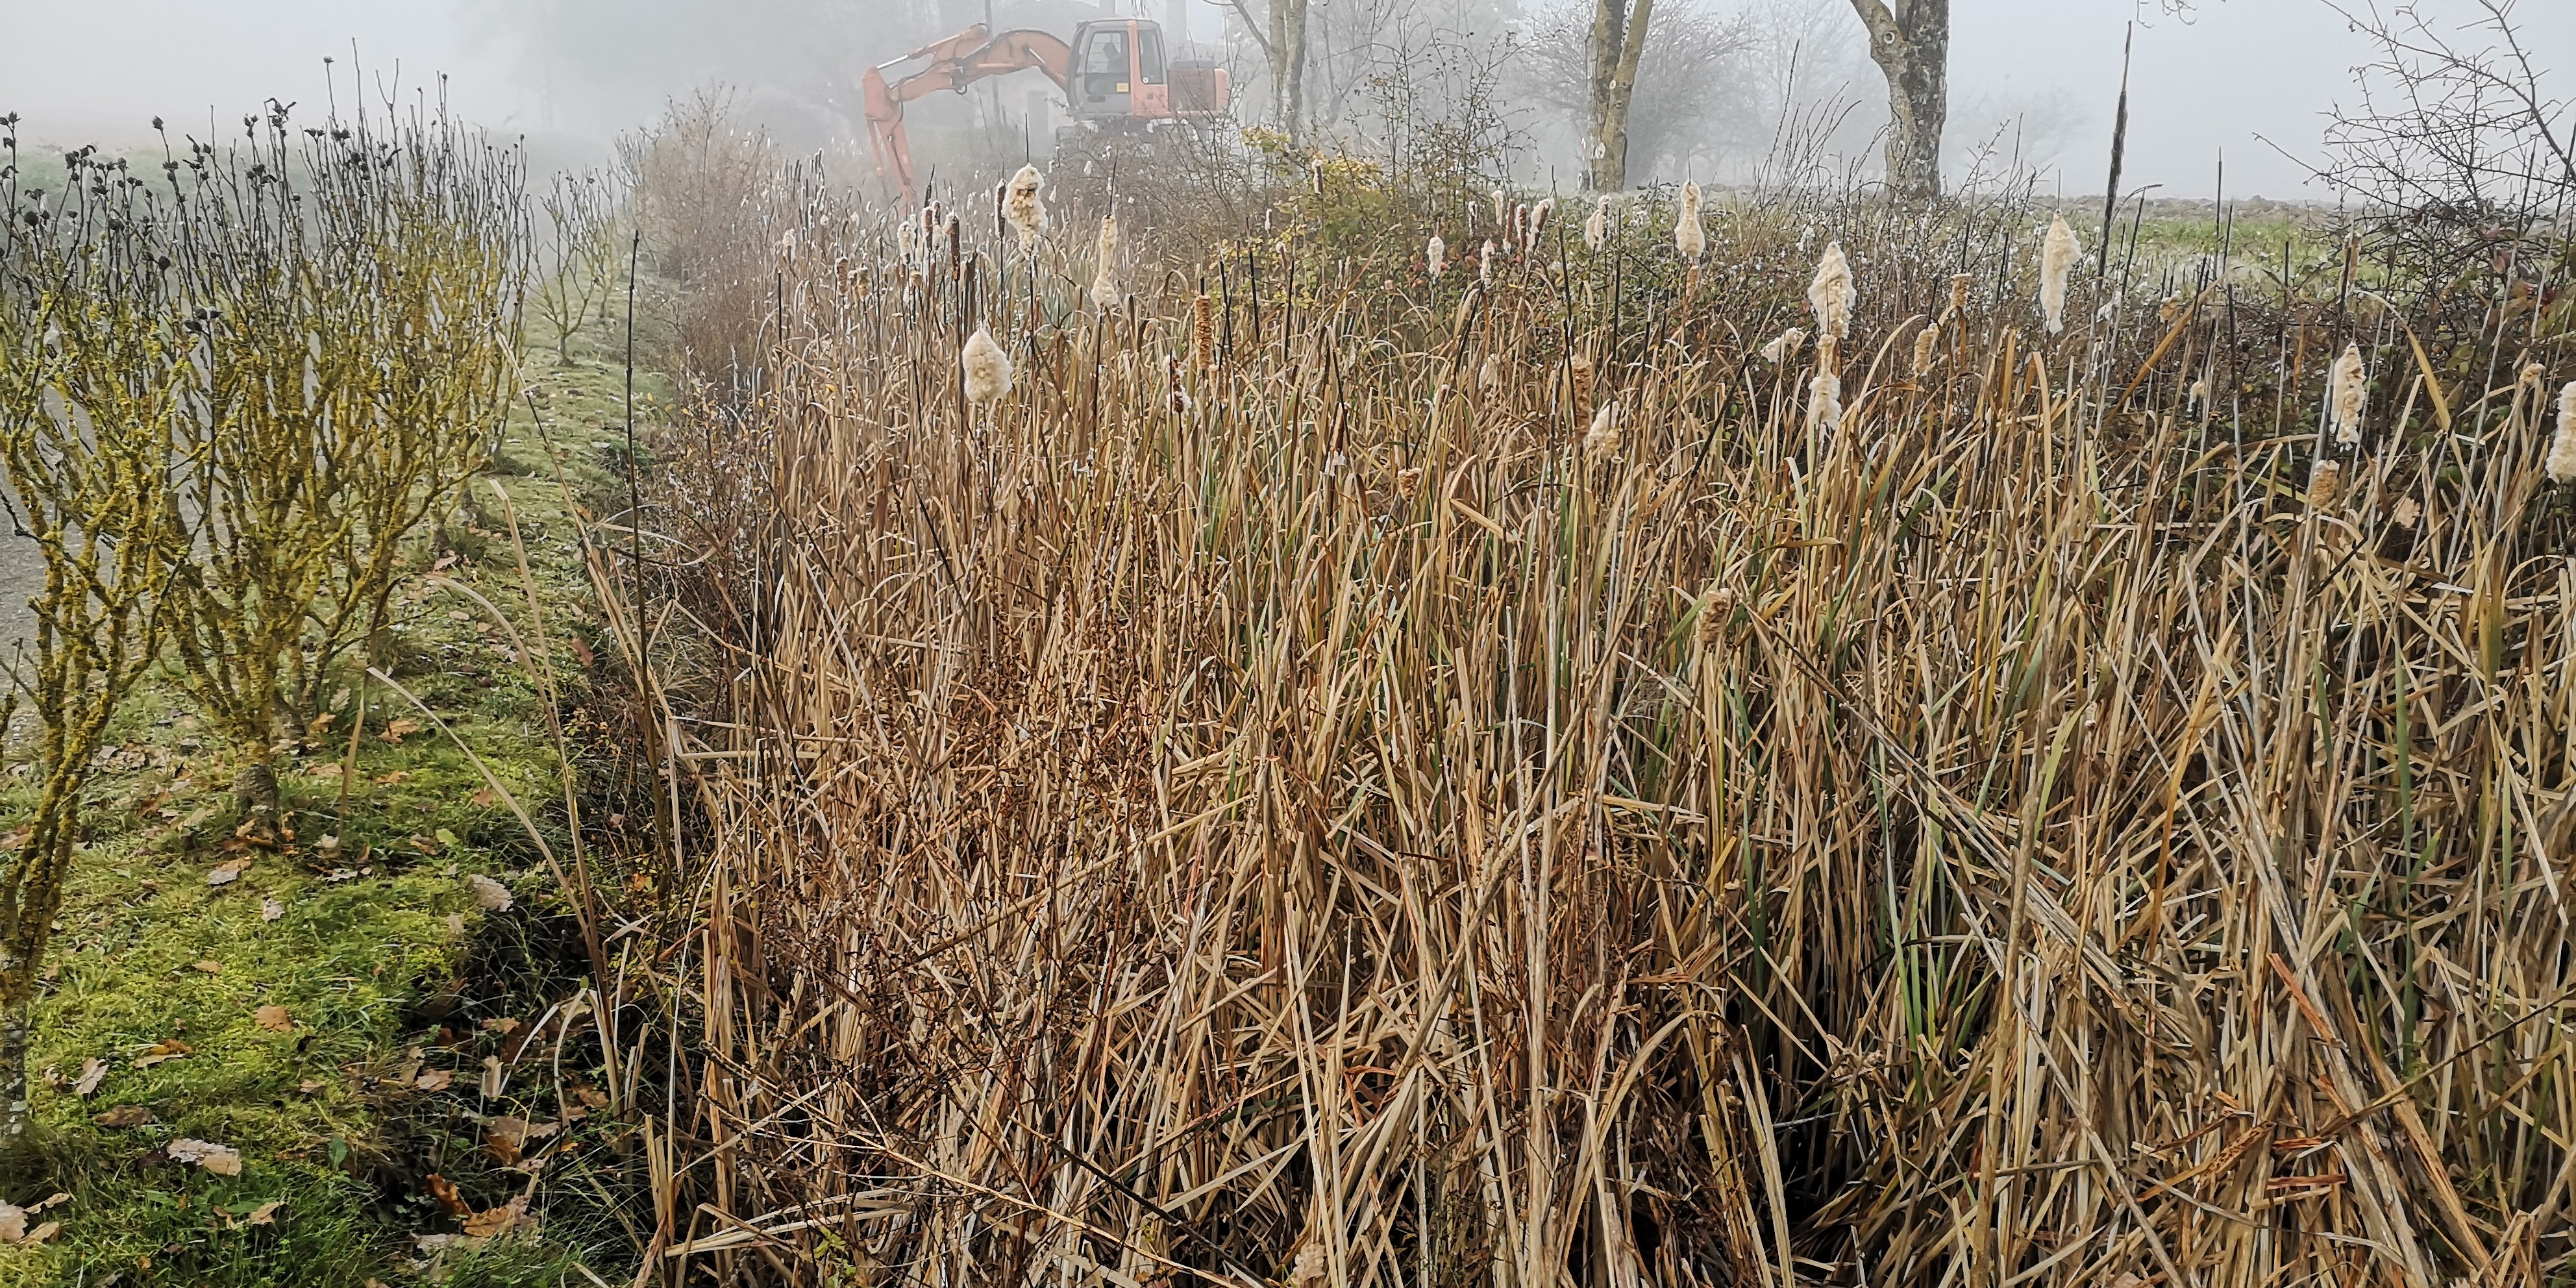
<point x="397" y="1053"/>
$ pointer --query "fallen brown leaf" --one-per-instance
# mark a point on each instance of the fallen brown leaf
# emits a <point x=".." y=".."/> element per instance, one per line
<point x="271" y="910"/>
<point x="265" y="1213"/>
<point x="93" y="1071"/>
<point x="433" y="1080"/>
<point x="228" y="871"/>
<point x="222" y="1160"/>
<point x="165" y="1049"/>
<point x="400" y="729"/>
<point x="124" y="1116"/>
<point x="485" y="798"/>
<point x="209" y="965"/>
<point x="273" y="1018"/>
<point x="444" y="1191"/>
<point x="492" y="1223"/>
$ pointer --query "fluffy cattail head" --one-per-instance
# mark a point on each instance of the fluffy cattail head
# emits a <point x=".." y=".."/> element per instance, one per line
<point x="1502" y="208"/>
<point x="1485" y="263"/>
<point x="1716" y="610"/>
<point x="1520" y="226"/>
<point x="1824" y="399"/>
<point x="1023" y="206"/>
<point x="1688" y="236"/>
<point x="1408" y="482"/>
<point x="1927" y="345"/>
<point x="1959" y="293"/>
<point x="2325" y="484"/>
<point x="1105" y="293"/>
<point x="1601" y="441"/>
<point x="1785" y="346"/>
<point x="987" y="368"/>
<point x="1489" y="377"/>
<point x="2346" y="387"/>
<point x="2562" y="445"/>
<point x="1538" y="217"/>
<point x="1832" y="294"/>
<point x="1438" y="251"/>
<point x="1596" y="230"/>
<point x="2057" y="258"/>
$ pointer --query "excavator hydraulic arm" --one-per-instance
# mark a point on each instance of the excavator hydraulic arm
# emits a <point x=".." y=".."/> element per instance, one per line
<point x="955" y="63"/>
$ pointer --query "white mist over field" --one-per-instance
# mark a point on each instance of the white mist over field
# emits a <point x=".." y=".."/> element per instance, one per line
<point x="2249" y="79"/>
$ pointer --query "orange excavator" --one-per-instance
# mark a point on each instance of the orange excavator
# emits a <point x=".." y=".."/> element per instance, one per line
<point x="1114" y="75"/>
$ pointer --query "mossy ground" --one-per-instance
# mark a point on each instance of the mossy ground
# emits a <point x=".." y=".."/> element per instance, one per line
<point x="396" y="983"/>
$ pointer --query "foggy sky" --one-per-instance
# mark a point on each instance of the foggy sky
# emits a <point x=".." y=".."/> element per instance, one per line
<point x="100" y="69"/>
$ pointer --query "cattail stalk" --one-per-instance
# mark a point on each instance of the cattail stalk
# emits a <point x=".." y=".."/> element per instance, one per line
<point x="2562" y="445"/>
<point x="2057" y="258"/>
<point x="1832" y="294"/>
<point x="2347" y="386"/>
<point x="1105" y="293"/>
<point x="1023" y="208"/>
<point x="1689" y="237"/>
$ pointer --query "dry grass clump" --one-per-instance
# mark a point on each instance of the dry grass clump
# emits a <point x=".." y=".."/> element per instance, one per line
<point x="1466" y="788"/>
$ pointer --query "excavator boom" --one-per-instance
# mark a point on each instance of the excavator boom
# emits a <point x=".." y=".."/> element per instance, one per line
<point x="955" y="63"/>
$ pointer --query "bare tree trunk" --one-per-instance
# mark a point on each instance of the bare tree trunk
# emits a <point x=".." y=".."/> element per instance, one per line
<point x="1618" y="42"/>
<point x="1286" y="49"/>
<point x="1911" y="45"/>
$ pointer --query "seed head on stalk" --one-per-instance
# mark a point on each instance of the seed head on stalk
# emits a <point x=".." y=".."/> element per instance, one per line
<point x="1596" y="230"/>
<point x="2347" y="385"/>
<point x="1203" y="331"/>
<point x="1959" y="283"/>
<point x="1438" y="251"/>
<point x="1716" y="607"/>
<point x="1502" y="208"/>
<point x="1825" y="400"/>
<point x="1831" y="295"/>
<point x="1688" y="236"/>
<point x="1927" y="343"/>
<point x="2325" y="483"/>
<point x="1021" y="205"/>
<point x="988" y="369"/>
<point x="1785" y="346"/>
<point x="1601" y="441"/>
<point x="1105" y="294"/>
<point x="2562" y="445"/>
<point x="2057" y="258"/>
<point x="1538" y="217"/>
<point x="1485" y="264"/>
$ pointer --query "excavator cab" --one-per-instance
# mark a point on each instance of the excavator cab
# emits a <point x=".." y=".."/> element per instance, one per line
<point x="1115" y="75"/>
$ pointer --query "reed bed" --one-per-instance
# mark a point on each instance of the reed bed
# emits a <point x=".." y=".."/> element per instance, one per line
<point x="1340" y="778"/>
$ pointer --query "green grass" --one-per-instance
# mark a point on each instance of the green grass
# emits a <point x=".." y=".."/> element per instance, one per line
<point x="363" y="929"/>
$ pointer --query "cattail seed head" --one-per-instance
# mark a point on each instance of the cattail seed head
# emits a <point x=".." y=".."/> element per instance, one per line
<point x="1788" y="344"/>
<point x="1489" y="377"/>
<point x="2346" y="387"/>
<point x="1832" y="294"/>
<point x="1105" y="294"/>
<point x="1502" y="208"/>
<point x="1024" y="208"/>
<point x="1203" y="331"/>
<point x="1927" y="345"/>
<point x="1959" y="283"/>
<point x="1824" y="399"/>
<point x="987" y="368"/>
<point x="1601" y="441"/>
<point x="2562" y="445"/>
<point x="1538" y="217"/>
<point x="1408" y="482"/>
<point x="1596" y="230"/>
<point x="2325" y="484"/>
<point x="2057" y="258"/>
<point x="1485" y="264"/>
<point x="1438" y="252"/>
<point x="1716" y="611"/>
<point x="1689" y="237"/>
